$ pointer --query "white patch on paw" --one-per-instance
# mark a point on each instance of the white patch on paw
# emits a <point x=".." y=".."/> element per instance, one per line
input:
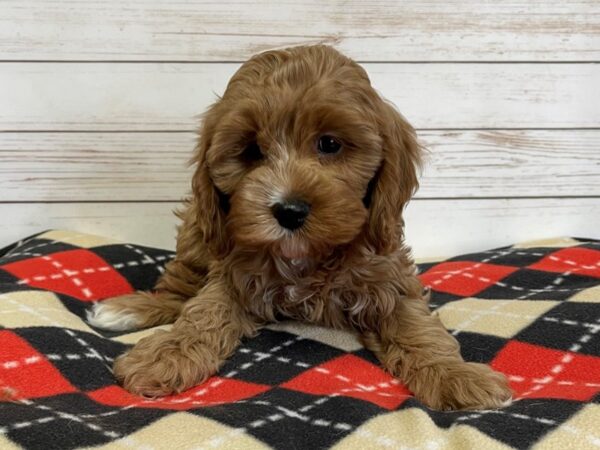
<point x="507" y="403"/>
<point x="102" y="315"/>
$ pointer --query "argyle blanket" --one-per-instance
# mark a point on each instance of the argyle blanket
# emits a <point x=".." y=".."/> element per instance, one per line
<point x="532" y="311"/>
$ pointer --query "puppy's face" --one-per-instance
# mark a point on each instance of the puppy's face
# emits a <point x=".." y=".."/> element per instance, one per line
<point x="296" y="163"/>
<point x="294" y="152"/>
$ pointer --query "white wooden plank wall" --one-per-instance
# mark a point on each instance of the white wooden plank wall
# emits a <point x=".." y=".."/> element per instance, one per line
<point x="99" y="103"/>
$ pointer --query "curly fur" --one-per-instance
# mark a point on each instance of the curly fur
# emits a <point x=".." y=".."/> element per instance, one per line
<point x="347" y="267"/>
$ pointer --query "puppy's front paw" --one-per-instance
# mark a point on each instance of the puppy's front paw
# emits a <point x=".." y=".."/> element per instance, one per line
<point x="165" y="363"/>
<point x="114" y="315"/>
<point x="460" y="386"/>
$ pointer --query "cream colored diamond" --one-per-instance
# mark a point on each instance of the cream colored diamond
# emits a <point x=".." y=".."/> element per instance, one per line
<point x="183" y="431"/>
<point x="591" y="295"/>
<point x="37" y="308"/>
<point x="133" y="337"/>
<point x="6" y="444"/>
<point x="77" y="239"/>
<point x="413" y="428"/>
<point x="344" y="340"/>
<point x="580" y="432"/>
<point x="503" y="318"/>
<point x="557" y="242"/>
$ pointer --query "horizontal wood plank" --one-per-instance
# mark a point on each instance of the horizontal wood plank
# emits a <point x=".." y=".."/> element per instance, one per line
<point x="152" y="166"/>
<point x="370" y="30"/>
<point x="102" y="96"/>
<point x="511" y="163"/>
<point x="434" y="227"/>
<point x="94" y="166"/>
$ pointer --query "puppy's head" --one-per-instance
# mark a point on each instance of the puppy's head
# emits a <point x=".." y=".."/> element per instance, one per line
<point x="301" y="155"/>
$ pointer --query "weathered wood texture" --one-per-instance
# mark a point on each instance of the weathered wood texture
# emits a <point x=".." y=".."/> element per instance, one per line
<point x="103" y="96"/>
<point x="152" y="166"/>
<point x="369" y="30"/>
<point x="99" y="101"/>
<point x="434" y="227"/>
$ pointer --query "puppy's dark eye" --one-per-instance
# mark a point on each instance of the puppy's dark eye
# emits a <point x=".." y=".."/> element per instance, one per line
<point x="328" y="144"/>
<point x="251" y="153"/>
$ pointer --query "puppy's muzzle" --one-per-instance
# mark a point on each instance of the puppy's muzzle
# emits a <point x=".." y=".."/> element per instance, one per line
<point x="291" y="214"/>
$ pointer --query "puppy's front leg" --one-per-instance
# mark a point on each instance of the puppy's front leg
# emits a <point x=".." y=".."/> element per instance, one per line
<point x="203" y="337"/>
<point x="413" y="345"/>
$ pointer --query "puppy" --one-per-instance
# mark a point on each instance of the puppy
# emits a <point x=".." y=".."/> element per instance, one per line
<point x="301" y="174"/>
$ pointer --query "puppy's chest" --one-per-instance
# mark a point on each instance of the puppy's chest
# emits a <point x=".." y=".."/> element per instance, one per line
<point x="305" y="301"/>
<point x="292" y="291"/>
<point x="296" y="293"/>
<point x="311" y="298"/>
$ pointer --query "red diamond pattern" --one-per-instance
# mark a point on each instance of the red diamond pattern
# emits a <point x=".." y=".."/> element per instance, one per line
<point x="351" y="376"/>
<point x="77" y="273"/>
<point x="581" y="261"/>
<point x="214" y="391"/>
<point x="539" y="372"/>
<point x="26" y="371"/>
<point x="463" y="277"/>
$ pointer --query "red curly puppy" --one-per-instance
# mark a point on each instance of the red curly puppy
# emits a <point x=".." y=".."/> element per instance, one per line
<point x="302" y="172"/>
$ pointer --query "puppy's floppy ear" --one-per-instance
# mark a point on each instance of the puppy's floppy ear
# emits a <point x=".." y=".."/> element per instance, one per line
<point x="211" y="204"/>
<point x="395" y="181"/>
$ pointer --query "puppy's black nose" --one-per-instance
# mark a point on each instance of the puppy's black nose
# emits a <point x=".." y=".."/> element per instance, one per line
<point x="291" y="214"/>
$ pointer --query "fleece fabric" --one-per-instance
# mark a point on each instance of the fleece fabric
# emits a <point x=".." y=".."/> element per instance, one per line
<point x="532" y="311"/>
